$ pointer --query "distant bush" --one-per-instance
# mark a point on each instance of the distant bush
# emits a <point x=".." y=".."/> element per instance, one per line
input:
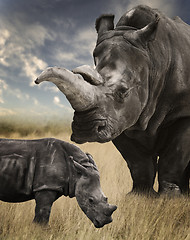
<point x="24" y="128"/>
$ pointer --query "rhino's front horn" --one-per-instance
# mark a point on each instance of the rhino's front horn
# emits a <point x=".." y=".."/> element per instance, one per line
<point x="79" y="92"/>
<point x="110" y="209"/>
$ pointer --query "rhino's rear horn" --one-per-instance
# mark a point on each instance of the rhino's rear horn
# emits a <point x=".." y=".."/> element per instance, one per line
<point x="89" y="74"/>
<point x="104" y="23"/>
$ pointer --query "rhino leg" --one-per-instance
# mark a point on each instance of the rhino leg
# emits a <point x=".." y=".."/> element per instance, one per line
<point x="44" y="200"/>
<point x="174" y="161"/>
<point x="142" y="165"/>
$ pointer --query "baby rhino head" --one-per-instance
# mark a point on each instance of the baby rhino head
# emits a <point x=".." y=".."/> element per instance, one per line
<point x="89" y="195"/>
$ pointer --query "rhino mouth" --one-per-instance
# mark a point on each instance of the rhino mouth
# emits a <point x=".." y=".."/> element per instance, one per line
<point x="88" y="126"/>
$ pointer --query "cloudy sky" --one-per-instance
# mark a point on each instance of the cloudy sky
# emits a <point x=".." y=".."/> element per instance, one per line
<point x="35" y="34"/>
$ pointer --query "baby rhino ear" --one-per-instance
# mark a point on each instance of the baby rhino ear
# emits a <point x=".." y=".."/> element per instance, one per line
<point x="79" y="168"/>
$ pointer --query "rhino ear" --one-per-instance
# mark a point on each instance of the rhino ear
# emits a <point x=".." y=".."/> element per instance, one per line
<point x="148" y="33"/>
<point x="91" y="160"/>
<point x="104" y="23"/>
<point x="80" y="169"/>
<point x="144" y="35"/>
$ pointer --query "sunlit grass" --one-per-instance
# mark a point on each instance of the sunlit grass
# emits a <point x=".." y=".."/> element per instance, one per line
<point x="137" y="217"/>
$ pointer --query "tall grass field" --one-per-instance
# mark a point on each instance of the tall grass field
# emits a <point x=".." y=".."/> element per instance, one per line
<point x="136" y="218"/>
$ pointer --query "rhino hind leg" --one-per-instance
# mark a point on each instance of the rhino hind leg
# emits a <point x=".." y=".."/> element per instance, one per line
<point x="44" y="200"/>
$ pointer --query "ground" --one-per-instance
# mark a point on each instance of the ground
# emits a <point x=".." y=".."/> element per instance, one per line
<point x="137" y="217"/>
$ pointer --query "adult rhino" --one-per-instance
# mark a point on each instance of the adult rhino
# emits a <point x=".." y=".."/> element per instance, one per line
<point x="46" y="169"/>
<point x="138" y="96"/>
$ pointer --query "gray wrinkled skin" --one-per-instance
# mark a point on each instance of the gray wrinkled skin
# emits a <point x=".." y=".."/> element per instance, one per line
<point x="46" y="169"/>
<point x="140" y="100"/>
<point x="92" y="200"/>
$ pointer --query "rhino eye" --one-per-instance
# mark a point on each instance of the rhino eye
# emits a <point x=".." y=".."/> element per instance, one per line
<point x="121" y="93"/>
<point x="91" y="200"/>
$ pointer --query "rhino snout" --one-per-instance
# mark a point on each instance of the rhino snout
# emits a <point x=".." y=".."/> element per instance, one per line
<point x="100" y="224"/>
<point x="106" y="217"/>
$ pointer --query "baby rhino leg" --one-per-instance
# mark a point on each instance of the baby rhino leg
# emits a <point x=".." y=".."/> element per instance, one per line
<point x="44" y="200"/>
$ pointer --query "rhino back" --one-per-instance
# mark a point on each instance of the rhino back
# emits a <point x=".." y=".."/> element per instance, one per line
<point x="74" y="151"/>
<point x="169" y="83"/>
<point x="17" y="163"/>
<point x="28" y="166"/>
<point x="52" y="171"/>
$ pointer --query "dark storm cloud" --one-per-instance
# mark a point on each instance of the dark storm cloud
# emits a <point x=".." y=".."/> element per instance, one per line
<point x="184" y="10"/>
<point x="36" y="34"/>
<point x="59" y="15"/>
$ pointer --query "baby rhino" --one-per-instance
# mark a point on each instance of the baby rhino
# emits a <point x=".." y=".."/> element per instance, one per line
<point x="46" y="169"/>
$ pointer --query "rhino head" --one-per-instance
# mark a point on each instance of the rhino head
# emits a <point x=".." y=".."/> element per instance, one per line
<point x="110" y="97"/>
<point x="89" y="195"/>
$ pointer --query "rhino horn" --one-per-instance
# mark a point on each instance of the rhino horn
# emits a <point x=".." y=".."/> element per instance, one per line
<point x="104" y="23"/>
<point x="110" y="209"/>
<point x="89" y="74"/>
<point x="80" y="93"/>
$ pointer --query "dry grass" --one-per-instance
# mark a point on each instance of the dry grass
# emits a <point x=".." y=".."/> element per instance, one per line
<point x="25" y="126"/>
<point x="137" y="217"/>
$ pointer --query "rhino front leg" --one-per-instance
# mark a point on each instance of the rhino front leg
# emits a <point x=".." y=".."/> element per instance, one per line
<point x="142" y="165"/>
<point x="44" y="200"/>
<point x="174" y="161"/>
